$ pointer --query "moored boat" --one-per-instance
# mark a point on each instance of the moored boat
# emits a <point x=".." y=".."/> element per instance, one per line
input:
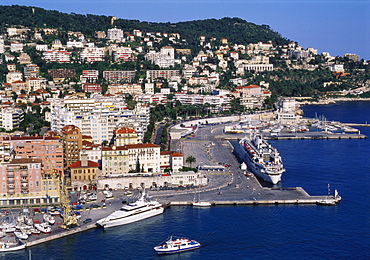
<point x="133" y="212"/>
<point x="177" y="245"/>
<point x="262" y="159"/>
<point x="43" y="227"/>
<point x="9" y="246"/>
<point x="21" y="235"/>
<point x="49" y="218"/>
<point x="202" y="204"/>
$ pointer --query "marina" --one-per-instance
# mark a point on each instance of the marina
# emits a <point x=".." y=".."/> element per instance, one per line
<point x="229" y="184"/>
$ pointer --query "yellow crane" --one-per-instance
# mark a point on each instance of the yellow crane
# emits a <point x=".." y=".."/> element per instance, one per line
<point x="69" y="218"/>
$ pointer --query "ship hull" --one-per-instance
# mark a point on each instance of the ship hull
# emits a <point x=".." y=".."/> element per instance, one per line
<point x="274" y="179"/>
<point x="130" y="219"/>
<point x="258" y="169"/>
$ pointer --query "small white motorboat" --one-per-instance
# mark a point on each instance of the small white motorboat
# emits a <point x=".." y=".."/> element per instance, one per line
<point x="21" y="235"/>
<point x="49" y="219"/>
<point x="43" y="227"/>
<point x="202" y="204"/>
<point x="35" y="231"/>
<point x="9" y="246"/>
<point x="9" y="229"/>
<point x="176" y="245"/>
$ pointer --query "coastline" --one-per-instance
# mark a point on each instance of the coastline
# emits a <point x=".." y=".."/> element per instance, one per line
<point x="329" y="101"/>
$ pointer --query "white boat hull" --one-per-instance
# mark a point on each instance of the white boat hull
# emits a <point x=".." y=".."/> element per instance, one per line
<point x="262" y="172"/>
<point x="273" y="178"/>
<point x="130" y="219"/>
<point x="177" y="246"/>
<point x="172" y="251"/>
<point x="202" y="204"/>
<point x="7" y="247"/>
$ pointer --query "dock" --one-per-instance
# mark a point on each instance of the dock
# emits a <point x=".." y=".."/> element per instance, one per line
<point x="229" y="187"/>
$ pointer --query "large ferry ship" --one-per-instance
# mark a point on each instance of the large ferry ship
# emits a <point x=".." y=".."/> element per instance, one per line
<point x="262" y="159"/>
<point x="132" y="212"/>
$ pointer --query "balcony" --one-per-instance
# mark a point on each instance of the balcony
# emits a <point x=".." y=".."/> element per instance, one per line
<point x="11" y="180"/>
<point x="24" y="174"/>
<point x="23" y="180"/>
<point x="10" y="174"/>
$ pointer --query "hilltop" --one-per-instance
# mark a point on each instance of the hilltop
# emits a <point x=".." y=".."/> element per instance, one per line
<point x="236" y="30"/>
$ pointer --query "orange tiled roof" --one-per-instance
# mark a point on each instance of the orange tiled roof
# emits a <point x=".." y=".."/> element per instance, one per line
<point x="90" y="164"/>
<point x="124" y="130"/>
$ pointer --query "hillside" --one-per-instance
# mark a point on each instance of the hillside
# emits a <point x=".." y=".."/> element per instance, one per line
<point x="235" y="30"/>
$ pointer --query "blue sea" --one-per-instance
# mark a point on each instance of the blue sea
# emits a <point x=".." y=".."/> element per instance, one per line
<point x="258" y="232"/>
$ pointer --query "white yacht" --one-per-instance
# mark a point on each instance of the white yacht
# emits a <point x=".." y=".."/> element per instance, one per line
<point x="132" y="212"/>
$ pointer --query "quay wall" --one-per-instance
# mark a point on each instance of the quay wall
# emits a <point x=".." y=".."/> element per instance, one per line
<point x="310" y="200"/>
<point x="60" y="235"/>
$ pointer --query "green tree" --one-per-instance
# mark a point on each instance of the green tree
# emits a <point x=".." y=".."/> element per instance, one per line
<point x="190" y="160"/>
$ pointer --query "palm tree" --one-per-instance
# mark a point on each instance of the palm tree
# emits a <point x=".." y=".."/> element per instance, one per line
<point x="190" y="159"/>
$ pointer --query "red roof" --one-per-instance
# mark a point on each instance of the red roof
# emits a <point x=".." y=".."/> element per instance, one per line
<point x="109" y="148"/>
<point x="250" y="86"/>
<point x="133" y="146"/>
<point x="124" y="130"/>
<point x="90" y="164"/>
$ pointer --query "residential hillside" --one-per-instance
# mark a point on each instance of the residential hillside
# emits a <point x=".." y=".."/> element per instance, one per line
<point x="236" y="30"/>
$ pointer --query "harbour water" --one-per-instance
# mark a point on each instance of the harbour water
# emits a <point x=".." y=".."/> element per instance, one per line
<point x="256" y="232"/>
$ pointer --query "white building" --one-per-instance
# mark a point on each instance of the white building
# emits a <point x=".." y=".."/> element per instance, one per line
<point x="159" y="180"/>
<point x="57" y="56"/>
<point x="11" y="118"/>
<point x="90" y="76"/>
<point x="97" y="116"/>
<point x="287" y="110"/>
<point x="92" y="54"/>
<point x="13" y="76"/>
<point x="115" y="34"/>
<point x="16" y="46"/>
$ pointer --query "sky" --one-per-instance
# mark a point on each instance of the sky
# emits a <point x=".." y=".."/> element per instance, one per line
<point x="334" y="26"/>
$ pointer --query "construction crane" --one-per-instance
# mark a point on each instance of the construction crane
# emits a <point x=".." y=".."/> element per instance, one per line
<point x="69" y="217"/>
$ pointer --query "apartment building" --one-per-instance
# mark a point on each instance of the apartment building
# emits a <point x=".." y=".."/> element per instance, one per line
<point x="97" y="116"/>
<point x="62" y="73"/>
<point x="144" y="155"/>
<point x="22" y="183"/>
<point x="125" y="135"/>
<point x="125" y="88"/>
<point x="48" y="149"/>
<point x="84" y="174"/>
<point x="171" y="160"/>
<point x="92" y="88"/>
<point x="90" y="76"/>
<point x="13" y="76"/>
<point x="71" y="137"/>
<point x="24" y="58"/>
<point x="57" y="56"/>
<point x="114" y="161"/>
<point x="16" y="46"/>
<point x="18" y="85"/>
<point x="11" y="118"/>
<point x="167" y="74"/>
<point x="123" y="54"/>
<point x="31" y="71"/>
<point x="92" y="54"/>
<point x="119" y="76"/>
